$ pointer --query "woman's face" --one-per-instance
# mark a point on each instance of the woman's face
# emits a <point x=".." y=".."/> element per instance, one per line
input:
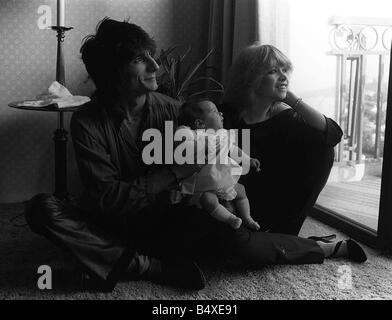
<point x="273" y="83"/>
<point x="142" y="78"/>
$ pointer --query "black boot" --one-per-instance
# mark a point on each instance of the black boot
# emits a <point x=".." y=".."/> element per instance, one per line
<point x="184" y="274"/>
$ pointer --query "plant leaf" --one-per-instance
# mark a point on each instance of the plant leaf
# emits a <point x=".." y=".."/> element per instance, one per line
<point x="172" y="75"/>
<point x="186" y="53"/>
<point x="205" y="91"/>
<point x="165" y="53"/>
<point x="193" y="72"/>
<point x="177" y="74"/>
<point x="208" y="79"/>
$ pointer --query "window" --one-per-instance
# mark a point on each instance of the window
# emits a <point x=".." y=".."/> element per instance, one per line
<point x="341" y="55"/>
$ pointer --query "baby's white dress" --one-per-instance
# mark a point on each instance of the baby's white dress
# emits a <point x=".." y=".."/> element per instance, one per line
<point x="220" y="173"/>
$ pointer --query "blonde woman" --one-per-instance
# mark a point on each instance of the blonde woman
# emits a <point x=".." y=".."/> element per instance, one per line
<point x="293" y="141"/>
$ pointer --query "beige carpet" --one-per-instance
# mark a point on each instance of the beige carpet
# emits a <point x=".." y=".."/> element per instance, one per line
<point x="22" y="252"/>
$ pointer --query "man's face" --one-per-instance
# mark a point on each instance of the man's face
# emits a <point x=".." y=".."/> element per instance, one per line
<point x="142" y="70"/>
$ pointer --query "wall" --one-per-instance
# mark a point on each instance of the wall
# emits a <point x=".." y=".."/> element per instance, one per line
<point x="27" y="67"/>
<point x="191" y="26"/>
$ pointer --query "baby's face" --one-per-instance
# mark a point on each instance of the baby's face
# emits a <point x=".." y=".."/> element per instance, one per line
<point x="213" y="119"/>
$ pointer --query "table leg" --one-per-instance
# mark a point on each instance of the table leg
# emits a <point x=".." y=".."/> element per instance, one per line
<point x="60" y="150"/>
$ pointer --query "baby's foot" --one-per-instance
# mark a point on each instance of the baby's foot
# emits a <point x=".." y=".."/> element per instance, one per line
<point x="252" y="224"/>
<point x="235" y="222"/>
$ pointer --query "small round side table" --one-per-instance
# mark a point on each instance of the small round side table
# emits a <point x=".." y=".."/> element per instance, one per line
<point x="60" y="144"/>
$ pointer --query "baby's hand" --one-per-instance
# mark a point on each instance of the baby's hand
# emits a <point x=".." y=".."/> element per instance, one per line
<point x="254" y="163"/>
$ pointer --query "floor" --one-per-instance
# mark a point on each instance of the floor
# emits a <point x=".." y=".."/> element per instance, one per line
<point x="23" y="252"/>
<point x="358" y="201"/>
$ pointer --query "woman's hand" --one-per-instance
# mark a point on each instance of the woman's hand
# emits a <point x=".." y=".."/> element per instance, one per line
<point x="291" y="99"/>
<point x="311" y="116"/>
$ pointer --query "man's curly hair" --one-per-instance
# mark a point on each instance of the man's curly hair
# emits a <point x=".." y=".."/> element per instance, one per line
<point x="107" y="53"/>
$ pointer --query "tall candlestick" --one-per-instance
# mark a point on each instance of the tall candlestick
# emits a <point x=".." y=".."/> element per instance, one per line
<point x="60" y="135"/>
<point x="60" y="13"/>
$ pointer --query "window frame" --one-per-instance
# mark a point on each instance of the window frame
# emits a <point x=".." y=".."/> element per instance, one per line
<point x="382" y="237"/>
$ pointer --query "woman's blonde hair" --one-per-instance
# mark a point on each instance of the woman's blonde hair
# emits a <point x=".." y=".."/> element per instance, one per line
<point x="252" y="62"/>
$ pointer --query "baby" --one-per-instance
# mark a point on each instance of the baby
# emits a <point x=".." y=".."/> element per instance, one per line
<point x="219" y="180"/>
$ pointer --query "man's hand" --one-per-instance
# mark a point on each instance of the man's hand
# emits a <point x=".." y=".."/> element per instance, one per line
<point x="255" y="164"/>
<point x="185" y="170"/>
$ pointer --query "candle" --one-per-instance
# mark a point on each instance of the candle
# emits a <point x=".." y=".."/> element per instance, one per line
<point x="60" y="13"/>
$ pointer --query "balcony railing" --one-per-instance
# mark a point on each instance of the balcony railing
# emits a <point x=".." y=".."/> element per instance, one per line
<point x="352" y="40"/>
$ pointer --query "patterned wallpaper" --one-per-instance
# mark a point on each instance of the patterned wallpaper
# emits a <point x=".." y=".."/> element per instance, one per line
<point x="27" y="67"/>
<point x="191" y="25"/>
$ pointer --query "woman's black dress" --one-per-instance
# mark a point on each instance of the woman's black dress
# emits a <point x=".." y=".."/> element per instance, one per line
<point x="296" y="160"/>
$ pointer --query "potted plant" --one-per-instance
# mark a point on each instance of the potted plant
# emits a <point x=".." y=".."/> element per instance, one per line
<point x="182" y="84"/>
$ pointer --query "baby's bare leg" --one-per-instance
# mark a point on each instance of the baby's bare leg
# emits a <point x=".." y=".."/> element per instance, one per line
<point x="209" y="202"/>
<point x="243" y="207"/>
